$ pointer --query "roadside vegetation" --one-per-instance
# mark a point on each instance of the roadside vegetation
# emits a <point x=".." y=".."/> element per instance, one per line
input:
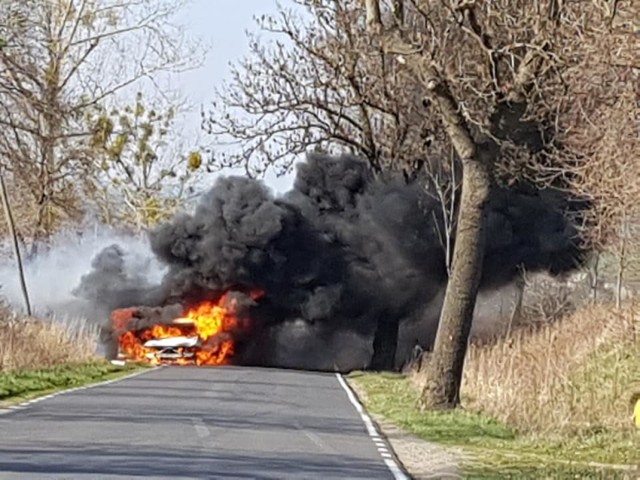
<point x="548" y="402"/>
<point x="79" y="140"/>
<point x="38" y="357"/>
<point x="20" y="385"/>
<point x="28" y="342"/>
<point x="577" y="376"/>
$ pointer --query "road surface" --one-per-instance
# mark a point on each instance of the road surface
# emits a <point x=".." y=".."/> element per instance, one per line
<point x="187" y="423"/>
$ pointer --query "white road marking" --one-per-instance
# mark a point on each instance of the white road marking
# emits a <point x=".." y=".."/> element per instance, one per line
<point x="24" y="405"/>
<point x="391" y="464"/>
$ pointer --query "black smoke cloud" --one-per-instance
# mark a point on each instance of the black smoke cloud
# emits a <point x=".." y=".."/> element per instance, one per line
<point x="339" y="253"/>
<point x="110" y="284"/>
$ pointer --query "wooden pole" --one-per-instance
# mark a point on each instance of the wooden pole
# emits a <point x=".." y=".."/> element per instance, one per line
<point x="16" y="246"/>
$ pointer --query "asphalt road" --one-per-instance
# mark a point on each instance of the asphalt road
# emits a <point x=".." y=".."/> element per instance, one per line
<point x="186" y="423"/>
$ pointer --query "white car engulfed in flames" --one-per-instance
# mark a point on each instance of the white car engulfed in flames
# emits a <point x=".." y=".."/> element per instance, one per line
<point x="201" y="337"/>
<point x="172" y="349"/>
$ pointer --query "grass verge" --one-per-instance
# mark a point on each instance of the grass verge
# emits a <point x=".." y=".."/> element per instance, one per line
<point x="20" y="385"/>
<point x="497" y="450"/>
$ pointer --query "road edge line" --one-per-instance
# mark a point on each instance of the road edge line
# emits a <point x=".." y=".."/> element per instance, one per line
<point x="380" y="442"/>
<point x="22" y="406"/>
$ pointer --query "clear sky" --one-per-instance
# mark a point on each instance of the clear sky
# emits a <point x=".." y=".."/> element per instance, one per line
<point x="222" y="25"/>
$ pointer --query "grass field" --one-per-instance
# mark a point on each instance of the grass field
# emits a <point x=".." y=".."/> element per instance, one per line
<point x="551" y="402"/>
<point x="498" y="450"/>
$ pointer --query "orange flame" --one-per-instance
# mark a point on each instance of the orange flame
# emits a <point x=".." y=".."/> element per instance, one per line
<point x="210" y="322"/>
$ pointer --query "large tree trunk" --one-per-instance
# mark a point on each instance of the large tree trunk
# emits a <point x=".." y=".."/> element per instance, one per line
<point x="444" y="375"/>
<point x="385" y="345"/>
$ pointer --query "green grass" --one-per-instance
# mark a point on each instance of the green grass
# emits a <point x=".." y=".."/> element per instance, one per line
<point x="497" y="450"/>
<point x="21" y="385"/>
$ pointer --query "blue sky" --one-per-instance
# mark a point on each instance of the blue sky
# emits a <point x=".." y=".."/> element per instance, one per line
<point x="222" y="25"/>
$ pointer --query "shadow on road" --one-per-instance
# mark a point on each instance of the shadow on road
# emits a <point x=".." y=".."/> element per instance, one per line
<point x="121" y="461"/>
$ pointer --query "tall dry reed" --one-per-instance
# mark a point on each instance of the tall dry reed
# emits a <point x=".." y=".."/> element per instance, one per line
<point x="29" y="343"/>
<point x="573" y="375"/>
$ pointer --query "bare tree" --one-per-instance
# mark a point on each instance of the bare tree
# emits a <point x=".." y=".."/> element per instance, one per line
<point x="61" y="58"/>
<point x="495" y="87"/>
<point x="445" y="369"/>
<point x="322" y="85"/>
<point x="145" y="169"/>
<point x="319" y="86"/>
<point x="611" y="178"/>
<point x="489" y="85"/>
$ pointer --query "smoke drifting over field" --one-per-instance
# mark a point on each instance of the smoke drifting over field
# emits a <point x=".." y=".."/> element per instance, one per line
<point x="335" y="256"/>
<point x="53" y="273"/>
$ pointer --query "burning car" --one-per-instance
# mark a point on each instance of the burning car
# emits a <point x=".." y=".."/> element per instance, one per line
<point x="201" y="336"/>
<point x="173" y="349"/>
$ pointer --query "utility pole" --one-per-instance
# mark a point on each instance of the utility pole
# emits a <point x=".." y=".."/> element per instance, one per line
<point x="16" y="246"/>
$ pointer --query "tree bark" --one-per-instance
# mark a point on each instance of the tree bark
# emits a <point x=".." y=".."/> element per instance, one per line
<point x="398" y="11"/>
<point x="374" y="20"/>
<point x="385" y="345"/>
<point x="444" y="374"/>
<point x="516" y="312"/>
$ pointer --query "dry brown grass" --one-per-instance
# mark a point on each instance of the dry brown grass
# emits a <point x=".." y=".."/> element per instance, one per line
<point x="29" y="343"/>
<point x="578" y="374"/>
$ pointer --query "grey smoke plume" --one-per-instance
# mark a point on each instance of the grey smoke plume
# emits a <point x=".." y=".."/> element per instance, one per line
<point x="69" y="255"/>
<point x="335" y="255"/>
